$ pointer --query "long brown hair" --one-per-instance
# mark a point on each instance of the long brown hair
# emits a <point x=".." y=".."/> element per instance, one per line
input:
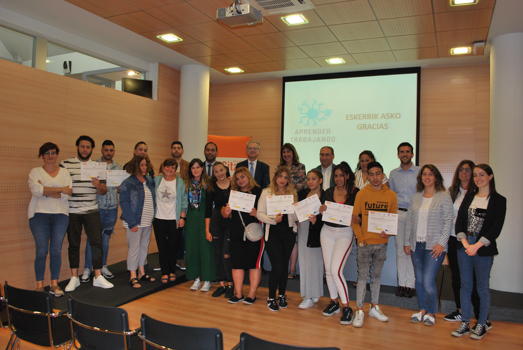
<point x="295" y="157"/>
<point x="492" y="184"/>
<point x="213" y="180"/>
<point x="438" y="186"/>
<point x="289" y="189"/>
<point x="204" y="180"/>
<point x="133" y="167"/>
<point x="454" y="188"/>
<point x="242" y="170"/>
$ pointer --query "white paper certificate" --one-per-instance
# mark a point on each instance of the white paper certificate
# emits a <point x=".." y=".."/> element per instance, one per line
<point x="307" y="207"/>
<point x="91" y="169"/>
<point x="383" y="222"/>
<point x="338" y="213"/>
<point x="116" y="177"/>
<point x="280" y="204"/>
<point x="241" y="201"/>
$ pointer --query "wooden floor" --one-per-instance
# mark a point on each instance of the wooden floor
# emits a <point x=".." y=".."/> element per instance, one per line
<point x="305" y="327"/>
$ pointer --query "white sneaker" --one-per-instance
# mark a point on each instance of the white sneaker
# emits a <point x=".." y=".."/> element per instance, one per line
<point x="206" y="286"/>
<point x="315" y="300"/>
<point x="306" y="303"/>
<point x="358" y="319"/>
<point x="107" y="273"/>
<point x="101" y="282"/>
<point x="376" y="312"/>
<point x="429" y="320"/>
<point x="74" y="283"/>
<point x="86" y="276"/>
<point x="196" y="284"/>
<point x="417" y="317"/>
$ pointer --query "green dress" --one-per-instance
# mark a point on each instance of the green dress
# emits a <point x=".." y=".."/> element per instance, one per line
<point x="199" y="251"/>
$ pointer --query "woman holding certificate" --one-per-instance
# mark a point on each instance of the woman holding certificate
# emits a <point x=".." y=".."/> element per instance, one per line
<point x="245" y="254"/>
<point x="275" y="210"/>
<point x="336" y="243"/>
<point x="427" y="230"/>
<point x="479" y="223"/>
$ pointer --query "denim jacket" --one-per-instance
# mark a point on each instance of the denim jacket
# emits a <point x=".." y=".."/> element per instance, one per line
<point x="132" y="197"/>
<point x="110" y="199"/>
<point x="181" y="194"/>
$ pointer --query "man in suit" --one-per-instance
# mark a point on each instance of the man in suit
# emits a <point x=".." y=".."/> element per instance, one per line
<point x="210" y="151"/>
<point x="258" y="169"/>
<point x="327" y="166"/>
<point x="177" y="154"/>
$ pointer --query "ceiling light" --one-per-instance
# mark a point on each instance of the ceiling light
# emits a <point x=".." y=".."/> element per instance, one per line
<point x="169" y="38"/>
<point x="234" y="70"/>
<point x="335" y="60"/>
<point x="48" y="61"/>
<point x="461" y="50"/>
<point x="463" y="2"/>
<point x="295" y="20"/>
<point x="131" y="73"/>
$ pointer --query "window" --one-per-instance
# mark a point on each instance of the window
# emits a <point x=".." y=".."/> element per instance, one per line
<point x="16" y="47"/>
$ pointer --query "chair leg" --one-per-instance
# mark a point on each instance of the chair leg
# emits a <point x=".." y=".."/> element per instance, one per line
<point x="10" y="342"/>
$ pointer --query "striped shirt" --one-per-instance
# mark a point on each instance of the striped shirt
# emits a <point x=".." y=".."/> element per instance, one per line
<point x="83" y="200"/>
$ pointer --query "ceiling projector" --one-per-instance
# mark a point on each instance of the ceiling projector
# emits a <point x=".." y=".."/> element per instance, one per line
<point x="239" y="14"/>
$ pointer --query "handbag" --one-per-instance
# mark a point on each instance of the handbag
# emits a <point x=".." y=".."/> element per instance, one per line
<point x="253" y="231"/>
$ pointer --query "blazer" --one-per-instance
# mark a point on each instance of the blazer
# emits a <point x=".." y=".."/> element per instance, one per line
<point x="331" y="181"/>
<point x="261" y="214"/>
<point x="181" y="194"/>
<point x="496" y="210"/>
<point x="261" y="173"/>
<point x="439" y="221"/>
<point x="313" y="237"/>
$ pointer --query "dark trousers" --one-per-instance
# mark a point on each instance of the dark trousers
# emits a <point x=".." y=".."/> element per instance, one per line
<point x="168" y="241"/>
<point x="93" y="229"/>
<point x="279" y="247"/>
<point x="180" y="250"/>
<point x="221" y="241"/>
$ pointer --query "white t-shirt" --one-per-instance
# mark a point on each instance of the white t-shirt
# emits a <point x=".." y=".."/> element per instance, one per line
<point x="457" y="203"/>
<point x="38" y="179"/>
<point x="166" y="200"/>
<point x="423" y="215"/>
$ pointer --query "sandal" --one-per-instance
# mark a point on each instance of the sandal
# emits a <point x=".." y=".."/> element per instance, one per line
<point x="165" y="279"/>
<point x="172" y="277"/>
<point x="133" y="282"/>
<point x="147" y="278"/>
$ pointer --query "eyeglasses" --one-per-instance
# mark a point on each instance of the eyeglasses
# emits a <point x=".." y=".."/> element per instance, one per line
<point x="50" y="153"/>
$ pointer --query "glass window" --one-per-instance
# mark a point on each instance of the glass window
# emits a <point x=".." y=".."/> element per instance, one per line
<point x="16" y="47"/>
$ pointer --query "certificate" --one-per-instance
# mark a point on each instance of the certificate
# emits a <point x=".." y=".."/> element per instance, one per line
<point x="91" y="169"/>
<point x="116" y="177"/>
<point x="241" y="201"/>
<point x="338" y="213"/>
<point x="280" y="204"/>
<point x="383" y="222"/>
<point x="307" y="207"/>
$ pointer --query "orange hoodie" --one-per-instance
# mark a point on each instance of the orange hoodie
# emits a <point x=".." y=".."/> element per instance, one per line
<point x="372" y="199"/>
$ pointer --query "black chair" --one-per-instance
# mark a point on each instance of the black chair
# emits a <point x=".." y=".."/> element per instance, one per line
<point x="160" y="335"/>
<point x="99" y="327"/>
<point x="31" y="318"/>
<point x="248" y="342"/>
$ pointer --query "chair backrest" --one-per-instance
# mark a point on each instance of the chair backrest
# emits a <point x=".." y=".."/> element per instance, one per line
<point x="249" y="342"/>
<point x="99" y="327"/>
<point x="31" y="317"/>
<point x="179" y="337"/>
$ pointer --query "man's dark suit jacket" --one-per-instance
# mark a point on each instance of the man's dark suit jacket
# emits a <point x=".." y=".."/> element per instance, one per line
<point x="332" y="174"/>
<point x="261" y="174"/>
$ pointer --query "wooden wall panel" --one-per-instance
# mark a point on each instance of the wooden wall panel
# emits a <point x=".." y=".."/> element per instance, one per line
<point x="37" y="106"/>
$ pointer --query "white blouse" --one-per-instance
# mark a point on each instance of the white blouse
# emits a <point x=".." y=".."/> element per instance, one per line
<point x="38" y="179"/>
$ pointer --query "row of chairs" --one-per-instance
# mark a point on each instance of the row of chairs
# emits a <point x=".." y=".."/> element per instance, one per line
<point x="31" y="318"/>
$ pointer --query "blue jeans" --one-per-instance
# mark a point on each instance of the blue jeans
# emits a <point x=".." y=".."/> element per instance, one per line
<point x="108" y="219"/>
<point x="425" y="270"/>
<point x="478" y="266"/>
<point x="48" y="232"/>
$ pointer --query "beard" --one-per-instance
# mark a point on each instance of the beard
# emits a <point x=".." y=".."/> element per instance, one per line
<point x="82" y="158"/>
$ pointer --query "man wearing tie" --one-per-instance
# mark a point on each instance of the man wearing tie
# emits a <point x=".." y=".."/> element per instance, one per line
<point x="259" y="170"/>
<point x="210" y="151"/>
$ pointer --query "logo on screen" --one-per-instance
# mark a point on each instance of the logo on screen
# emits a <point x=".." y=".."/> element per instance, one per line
<point x="312" y="112"/>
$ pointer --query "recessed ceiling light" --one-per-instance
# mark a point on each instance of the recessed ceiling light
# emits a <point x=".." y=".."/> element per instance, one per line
<point x="234" y="70"/>
<point x="463" y="2"/>
<point x="461" y="50"/>
<point x="295" y="20"/>
<point x="169" y="38"/>
<point x="48" y="61"/>
<point x="335" y="60"/>
<point x="131" y="73"/>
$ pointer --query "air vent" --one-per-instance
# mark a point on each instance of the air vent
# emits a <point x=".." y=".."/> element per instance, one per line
<point x="274" y="7"/>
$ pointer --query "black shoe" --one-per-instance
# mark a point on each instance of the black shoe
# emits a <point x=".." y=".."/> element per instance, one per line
<point x="272" y="304"/>
<point x="282" y="302"/>
<point x="234" y="299"/>
<point x="218" y="292"/>
<point x="331" y="309"/>
<point x="249" y="301"/>
<point x="462" y="330"/>
<point x="488" y="325"/>
<point x="229" y="292"/>
<point x="410" y="292"/>
<point x="453" y="317"/>
<point x="478" y="332"/>
<point x="400" y="291"/>
<point x="346" y="315"/>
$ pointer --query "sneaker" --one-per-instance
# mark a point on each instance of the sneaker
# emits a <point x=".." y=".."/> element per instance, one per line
<point x="195" y="285"/>
<point x="86" y="276"/>
<point x="272" y="305"/>
<point x="331" y="309"/>
<point x="282" y="302"/>
<point x="181" y="265"/>
<point x="488" y="325"/>
<point x="249" y="301"/>
<point x="462" y="330"/>
<point x="346" y="315"/>
<point x="478" y="332"/>
<point x="315" y="300"/>
<point x="234" y="299"/>
<point x="417" y="317"/>
<point x="206" y="286"/>
<point x="306" y="303"/>
<point x="429" y="320"/>
<point x="376" y="312"/>
<point x="454" y="317"/>
<point x="219" y="292"/>
<point x="107" y="274"/>
<point x="359" y="316"/>
<point x="74" y="283"/>
<point x="229" y="292"/>
<point x="56" y="291"/>
<point x="101" y="282"/>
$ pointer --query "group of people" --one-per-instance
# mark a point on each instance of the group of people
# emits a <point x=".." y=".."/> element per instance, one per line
<point x="187" y="204"/>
